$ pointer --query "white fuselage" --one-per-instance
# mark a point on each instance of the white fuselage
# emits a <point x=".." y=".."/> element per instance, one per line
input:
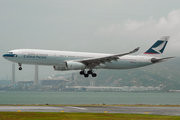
<point x="58" y="58"/>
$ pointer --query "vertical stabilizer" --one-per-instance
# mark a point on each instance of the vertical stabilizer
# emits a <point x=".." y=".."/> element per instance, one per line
<point x="158" y="47"/>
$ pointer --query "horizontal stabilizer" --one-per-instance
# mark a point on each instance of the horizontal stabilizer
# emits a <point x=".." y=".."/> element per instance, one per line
<point x="155" y="60"/>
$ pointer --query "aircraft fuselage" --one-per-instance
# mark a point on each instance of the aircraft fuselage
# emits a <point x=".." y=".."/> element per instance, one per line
<point x="58" y="58"/>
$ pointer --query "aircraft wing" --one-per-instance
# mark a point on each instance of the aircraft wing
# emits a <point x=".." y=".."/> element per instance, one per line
<point x="92" y="62"/>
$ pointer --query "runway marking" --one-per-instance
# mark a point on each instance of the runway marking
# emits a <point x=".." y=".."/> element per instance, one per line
<point x="77" y="108"/>
<point x="19" y="111"/>
<point x="146" y="112"/>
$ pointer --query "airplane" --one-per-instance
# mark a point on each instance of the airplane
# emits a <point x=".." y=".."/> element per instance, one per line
<point x="68" y="60"/>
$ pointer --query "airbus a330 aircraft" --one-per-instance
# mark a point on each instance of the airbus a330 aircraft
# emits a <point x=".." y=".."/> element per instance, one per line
<point x="66" y="60"/>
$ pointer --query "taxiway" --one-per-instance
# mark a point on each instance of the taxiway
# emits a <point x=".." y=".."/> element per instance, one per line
<point x="95" y="109"/>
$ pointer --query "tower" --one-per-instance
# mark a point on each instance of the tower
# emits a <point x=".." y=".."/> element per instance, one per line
<point x="13" y="73"/>
<point x="36" y="78"/>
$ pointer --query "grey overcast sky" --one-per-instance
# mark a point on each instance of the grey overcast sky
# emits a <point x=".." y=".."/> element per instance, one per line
<point x="107" y="26"/>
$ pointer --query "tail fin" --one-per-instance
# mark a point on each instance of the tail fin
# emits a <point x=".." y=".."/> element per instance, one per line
<point x="158" y="47"/>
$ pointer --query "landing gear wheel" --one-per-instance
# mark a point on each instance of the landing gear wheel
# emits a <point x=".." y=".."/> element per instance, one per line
<point x="81" y="72"/>
<point x="90" y="72"/>
<point x="94" y="75"/>
<point x="20" y="68"/>
<point x="86" y="75"/>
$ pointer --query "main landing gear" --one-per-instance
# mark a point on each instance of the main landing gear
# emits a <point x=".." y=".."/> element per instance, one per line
<point x="20" y="68"/>
<point x="83" y="72"/>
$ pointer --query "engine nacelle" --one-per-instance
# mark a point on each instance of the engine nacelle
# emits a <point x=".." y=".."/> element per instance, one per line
<point x="59" y="68"/>
<point x="71" y="65"/>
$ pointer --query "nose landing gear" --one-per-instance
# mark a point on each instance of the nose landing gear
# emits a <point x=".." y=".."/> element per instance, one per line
<point x="20" y="68"/>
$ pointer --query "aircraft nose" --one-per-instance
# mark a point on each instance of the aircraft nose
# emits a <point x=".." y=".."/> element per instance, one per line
<point x="4" y="55"/>
<point x="9" y="55"/>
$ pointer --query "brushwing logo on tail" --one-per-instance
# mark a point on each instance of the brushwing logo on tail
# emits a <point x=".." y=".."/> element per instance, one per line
<point x="157" y="48"/>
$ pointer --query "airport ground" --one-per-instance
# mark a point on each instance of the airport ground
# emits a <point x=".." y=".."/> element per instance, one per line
<point x="140" y="112"/>
<point x="80" y="116"/>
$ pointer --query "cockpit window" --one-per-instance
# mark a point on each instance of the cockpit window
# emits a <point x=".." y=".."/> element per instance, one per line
<point x="10" y="52"/>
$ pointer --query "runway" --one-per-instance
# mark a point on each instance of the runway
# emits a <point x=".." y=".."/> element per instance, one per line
<point x="95" y="109"/>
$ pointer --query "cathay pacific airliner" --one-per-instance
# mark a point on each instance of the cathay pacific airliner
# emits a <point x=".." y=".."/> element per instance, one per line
<point x="86" y="62"/>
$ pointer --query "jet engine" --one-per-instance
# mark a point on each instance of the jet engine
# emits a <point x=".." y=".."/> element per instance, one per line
<point x="71" y="65"/>
<point x="60" y="68"/>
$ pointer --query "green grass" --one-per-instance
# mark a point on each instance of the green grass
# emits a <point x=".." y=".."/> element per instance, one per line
<point x="80" y="116"/>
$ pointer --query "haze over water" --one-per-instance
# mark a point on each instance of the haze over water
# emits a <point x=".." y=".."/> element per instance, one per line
<point x="14" y="97"/>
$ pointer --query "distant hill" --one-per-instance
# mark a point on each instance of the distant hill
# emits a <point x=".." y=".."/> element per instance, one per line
<point x="165" y="74"/>
<point x="5" y="82"/>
